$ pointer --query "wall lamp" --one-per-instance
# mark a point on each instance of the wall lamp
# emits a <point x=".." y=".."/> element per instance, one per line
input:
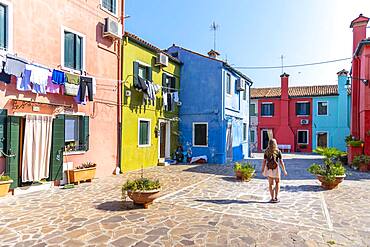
<point x="348" y="83"/>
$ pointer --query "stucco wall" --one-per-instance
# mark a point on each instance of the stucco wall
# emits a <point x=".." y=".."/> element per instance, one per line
<point x="37" y="36"/>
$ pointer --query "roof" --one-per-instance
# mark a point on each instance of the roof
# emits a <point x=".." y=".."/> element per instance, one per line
<point x="228" y="66"/>
<point x="149" y="46"/>
<point x="359" y="19"/>
<point x="302" y="91"/>
<point x="360" y="46"/>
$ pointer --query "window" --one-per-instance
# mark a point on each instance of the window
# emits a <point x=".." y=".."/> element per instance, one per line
<point x="252" y="110"/>
<point x="144" y="132"/>
<point x="3" y="26"/>
<point x="245" y="92"/>
<point x="143" y="72"/>
<point x="252" y="133"/>
<point x="76" y="133"/>
<point x="302" y="136"/>
<point x="200" y="134"/>
<point x="302" y="108"/>
<point x="322" y="108"/>
<point x="228" y="83"/>
<point x="245" y="132"/>
<point x="169" y="89"/>
<point x="73" y="51"/>
<point x="267" y="109"/>
<point x="110" y="5"/>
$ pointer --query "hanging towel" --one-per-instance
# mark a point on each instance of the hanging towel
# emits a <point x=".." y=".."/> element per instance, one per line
<point x="71" y="85"/>
<point x="58" y="77"/>
<point x="72" y="78"/>
<point x="15" y="65"/>
<point x="176" y="97"/>
<point x="52" y="87"/>
<point x="165" y="99"/>
<point x="39" y="78"/>
<point x="24" y="82"/>
<point x="142" y="84"/>
<point x="4" y="77"/>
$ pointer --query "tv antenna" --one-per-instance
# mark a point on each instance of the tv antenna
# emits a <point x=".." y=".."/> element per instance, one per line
<point x="214" y="27"/>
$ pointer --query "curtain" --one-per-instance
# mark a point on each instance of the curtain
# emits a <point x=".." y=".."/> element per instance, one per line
<point x="36" y="148"/>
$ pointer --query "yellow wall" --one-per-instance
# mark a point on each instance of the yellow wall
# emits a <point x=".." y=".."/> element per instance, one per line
<point x="134" y="157"/>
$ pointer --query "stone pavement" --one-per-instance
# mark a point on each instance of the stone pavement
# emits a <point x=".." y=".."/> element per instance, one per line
<point x="200" y="206"/>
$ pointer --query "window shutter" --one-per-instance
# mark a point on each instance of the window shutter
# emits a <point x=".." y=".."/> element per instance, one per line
<point x="149" y="75"/>
<point x="308" y="105"/>
<point x="136" y="74"/>
<point x="85" y="132"/>
<point x="78" y="56"/>
<point x="164" y="77"/>
<point x="3" y="26"/>
<point x="272" y="109"/>
<point x="12" y="137"/>
<point x="69" y="50"/>
<point x="173" y="83"/>
<point x="3" y="116"/>
<point x="57" y="148"/>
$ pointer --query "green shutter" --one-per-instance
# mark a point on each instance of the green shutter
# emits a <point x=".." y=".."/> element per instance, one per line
<point x="69" y="50"/>
<point x="84" y="132"/>
<point x="12" y="162"/>
<point x="3" y="116"/>
<point x="78" y="56"/>
<point x="57" y="148"/>
<point x="3" y="26"/>
<point x="164" y="77"/>
<point x="136" y="74"/>
<point x="149" y="75"/>
<point x="173" y="84"/>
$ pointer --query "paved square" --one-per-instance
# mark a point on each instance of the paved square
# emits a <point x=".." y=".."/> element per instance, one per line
<point x="200" y="206"/>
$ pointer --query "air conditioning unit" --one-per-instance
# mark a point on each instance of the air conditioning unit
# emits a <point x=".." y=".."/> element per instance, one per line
<point x="304" y="121"/>
<point x="240" y="84"/>
<point x="112" y="28"/>
<point x="162" y="60"/>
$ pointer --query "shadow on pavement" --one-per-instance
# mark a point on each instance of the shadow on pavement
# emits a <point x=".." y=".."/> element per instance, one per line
<point x="228" y="201"/>
<point x="115" y="206"/>
<point x="298" y="188"/>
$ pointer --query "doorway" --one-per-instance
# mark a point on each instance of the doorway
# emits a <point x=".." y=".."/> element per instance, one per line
<point x="229" y="143"/>
<point x="265" y="137"/>
<point x="322" y="139"/>
<point x="164" y="140"/>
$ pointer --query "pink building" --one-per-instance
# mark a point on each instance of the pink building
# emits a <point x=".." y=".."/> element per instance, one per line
<point x="42" y="134"/>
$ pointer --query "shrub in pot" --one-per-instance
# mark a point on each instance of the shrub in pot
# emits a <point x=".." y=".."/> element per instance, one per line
<point x="331" y="172"/>
<point x="142" y="191"/>
<point x="84" y="172"/>
<point x="244" y="171"/>
<point x="361" y="162"/>
<point x="5" y="182"/>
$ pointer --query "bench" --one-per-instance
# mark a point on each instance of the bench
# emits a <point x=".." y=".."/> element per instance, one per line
<point x="285" y="148"/>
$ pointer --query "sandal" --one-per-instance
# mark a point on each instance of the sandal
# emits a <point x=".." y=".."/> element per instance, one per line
<point x="276" y="200"/>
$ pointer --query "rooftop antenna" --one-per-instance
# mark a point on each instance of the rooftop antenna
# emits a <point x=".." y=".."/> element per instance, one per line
<point x="282" y="63"/>
<point x="214" y="27"/>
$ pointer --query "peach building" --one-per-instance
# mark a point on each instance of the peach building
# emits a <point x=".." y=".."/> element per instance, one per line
<point x="43" y="134"/>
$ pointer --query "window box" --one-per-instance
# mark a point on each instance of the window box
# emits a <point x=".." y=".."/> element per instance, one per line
<point x="79" y="175"/>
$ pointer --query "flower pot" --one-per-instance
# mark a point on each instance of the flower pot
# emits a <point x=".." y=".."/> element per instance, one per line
<point x="78" y="175"/>
<point x="363" y="167"/>
<point x="4" y="187"/>
<point x="329" y="185"/>
<point x="239" y="176"/>
<point x="143" y="197"/>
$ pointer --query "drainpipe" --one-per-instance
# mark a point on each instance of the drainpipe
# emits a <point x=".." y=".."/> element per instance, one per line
<point x="249" y="127"/>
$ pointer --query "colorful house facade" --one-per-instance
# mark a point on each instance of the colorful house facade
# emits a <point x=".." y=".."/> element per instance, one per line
<point x="45" y="128"/>
<point x="150" y="104"/>
<point x="214" y="116"/>
<point x="360" y="75"/>
<point x="253" y="126"/>
<point x="298" y="116"/>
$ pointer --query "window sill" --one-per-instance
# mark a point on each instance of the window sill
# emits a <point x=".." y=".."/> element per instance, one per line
<point x="74" y="71"/>
<point x="266" y="116"/>
<point x="144" y="146"/>
<point x="200" y="146"/>
<point x="115" y="15"/>
<point x="73" y="153"/>
<point x="302" y="115"/>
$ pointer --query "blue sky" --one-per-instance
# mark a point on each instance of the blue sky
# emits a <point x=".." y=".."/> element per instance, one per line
<point x="256" y="33"/>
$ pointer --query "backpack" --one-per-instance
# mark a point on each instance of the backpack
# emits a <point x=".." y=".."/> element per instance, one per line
<point x="272" y="162"/>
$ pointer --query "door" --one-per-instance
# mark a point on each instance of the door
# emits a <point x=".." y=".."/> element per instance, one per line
<point x="57" y="148"/>
<point x="265" y="138"/>
<point x="229" y="143"/>
<point x="163" y="137"/>
<point x="12" y="160"/>
<point x="322" y="139"/>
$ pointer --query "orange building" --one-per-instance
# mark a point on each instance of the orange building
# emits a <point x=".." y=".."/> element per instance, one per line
<point x="55" y="42"/>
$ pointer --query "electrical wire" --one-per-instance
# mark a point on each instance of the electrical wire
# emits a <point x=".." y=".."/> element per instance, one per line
<point x="292" y="66"/>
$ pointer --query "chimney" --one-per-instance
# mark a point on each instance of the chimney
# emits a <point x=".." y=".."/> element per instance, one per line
<point x="284" y="86"/>
<point x="359" y="30"/>
<point x="213" y="54"/>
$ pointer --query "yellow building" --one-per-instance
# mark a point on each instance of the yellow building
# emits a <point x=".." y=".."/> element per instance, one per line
<point x="150" y="120"/>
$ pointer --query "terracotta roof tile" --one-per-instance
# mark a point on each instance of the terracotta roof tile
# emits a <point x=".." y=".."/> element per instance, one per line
<point x="302" y="91"/>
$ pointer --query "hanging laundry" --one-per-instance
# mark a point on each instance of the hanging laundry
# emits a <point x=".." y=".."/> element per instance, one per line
<point x="142" y="84"/>
<point x="58" y="77"/>
<point x="77" y="99"/>
<point x="71" y="84"/>
<point x="86" y="82"/>
<point x="24" y="82"/>
<point x="176" y="97"/>
<point x="4" y="77"/>
<point x="39" y="78"/>
<point x="164" y="96"/>
<point x="15" y="65"/>
<point x="52" y="87"/>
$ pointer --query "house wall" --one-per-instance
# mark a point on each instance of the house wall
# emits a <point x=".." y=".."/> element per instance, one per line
<point x="202" y="101"/>
<point x="37" y="36"/>
<point x="133" y="156"/>
<point x="253" y="127"/>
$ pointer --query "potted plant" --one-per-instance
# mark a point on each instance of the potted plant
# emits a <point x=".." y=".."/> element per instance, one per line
<point x="244" y="171"/>
<point x="5" y="182"/>
<point x="142" y="191"/>
<point x="361" y="162"/>
<point x="85" y="172"/>
<point x="332" y="172"/>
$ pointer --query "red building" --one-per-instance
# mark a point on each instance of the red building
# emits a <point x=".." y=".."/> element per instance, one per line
<point x="360" y="116"/>
<point x="286" y="115"/>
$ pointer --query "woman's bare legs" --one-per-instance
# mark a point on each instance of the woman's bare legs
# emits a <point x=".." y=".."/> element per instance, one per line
<point x="277" y="188"/>
<point x="271" y="183"/>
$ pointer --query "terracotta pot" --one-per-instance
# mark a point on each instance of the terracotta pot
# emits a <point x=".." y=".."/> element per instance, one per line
<point x="143" y="197"/>
<point x="332" y="184"/>
<point x="363" y="167"/>
<point x="78" y="175"/>
<point x="4" y="187"/>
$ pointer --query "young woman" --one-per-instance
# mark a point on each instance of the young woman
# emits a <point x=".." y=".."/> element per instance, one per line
<point x="272" y="161"/>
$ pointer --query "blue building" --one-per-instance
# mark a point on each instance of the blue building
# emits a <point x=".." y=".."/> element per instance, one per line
<point x="331" y="116"/>
<point x="214" y="116"/>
